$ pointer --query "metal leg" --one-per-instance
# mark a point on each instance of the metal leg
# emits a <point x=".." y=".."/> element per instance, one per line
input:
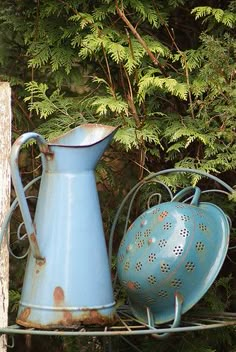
<point x="12" y="345"/>
<point x="178" y="310"/>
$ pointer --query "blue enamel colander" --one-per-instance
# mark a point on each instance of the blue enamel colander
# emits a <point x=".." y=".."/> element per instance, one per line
<point x="174" y="249"/>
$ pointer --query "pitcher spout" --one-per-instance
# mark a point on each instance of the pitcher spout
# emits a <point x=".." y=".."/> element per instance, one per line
<point x="80" y="149"/>
<point x="85" y="135"/>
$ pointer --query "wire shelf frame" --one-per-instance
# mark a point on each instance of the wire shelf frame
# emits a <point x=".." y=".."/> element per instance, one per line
<point x="128" y="325"/>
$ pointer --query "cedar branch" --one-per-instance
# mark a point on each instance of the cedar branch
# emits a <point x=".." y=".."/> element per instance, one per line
<point x="139" y="38"/>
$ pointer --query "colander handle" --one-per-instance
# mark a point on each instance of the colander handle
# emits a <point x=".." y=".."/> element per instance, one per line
<point x="195" y="198"/>
<point x="179" y="300"/>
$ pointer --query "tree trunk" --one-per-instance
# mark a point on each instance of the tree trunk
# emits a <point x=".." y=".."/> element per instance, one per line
<point x="5" y="145"/>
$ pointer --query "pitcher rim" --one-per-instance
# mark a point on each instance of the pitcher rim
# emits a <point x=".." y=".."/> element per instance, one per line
<point x="112" y="129"/>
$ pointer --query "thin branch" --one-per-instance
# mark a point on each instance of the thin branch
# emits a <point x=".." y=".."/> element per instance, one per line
<point x="188" y="84"/>
<point x="109" y="73"/>
<point x="69" y="6"/>
<point x="186" y="69"/>
<point x="139" y="38"/>
<point x="25" y="113"/>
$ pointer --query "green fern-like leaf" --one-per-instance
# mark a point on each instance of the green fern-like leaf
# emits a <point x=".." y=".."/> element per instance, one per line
<point x="104" y="11"/>
<point x="14" y="298"/>
<point x="114" y="104"/>
<point x="202" y="11"/>
<point x="199" y="86"/>
<point x="90" y="45"/>
<point x="190" y="59"/>
<point x="150" y="84"/>
<point x="134" y="56"/>
<point x="45" y="104"/>
<point x="116" y="51"/>
<point x="62" y="57"/>
<point x="84" y="19"/>
<point x="41" y="55"/>
<point x="149" y="133"/>
<point x="127" y="137"/>
<point x="146" y="11"/>
<point x="42" y="104"/>
<point x="226" y="17"/>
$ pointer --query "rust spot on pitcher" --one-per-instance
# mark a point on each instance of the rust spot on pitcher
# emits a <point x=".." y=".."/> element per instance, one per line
<point x="93" y="317"/>
<point x="67" y="318"/>
<point x="67" y="321"/>
<point x="58" y="295"/>
<point x="40" y="262"/>
<point x="33" y="237"/>
<point x="24" y="315"/>
<point x="35" y="248"/>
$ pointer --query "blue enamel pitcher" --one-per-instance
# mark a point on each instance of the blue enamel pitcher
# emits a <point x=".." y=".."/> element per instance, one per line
<point x="67" y="278"/>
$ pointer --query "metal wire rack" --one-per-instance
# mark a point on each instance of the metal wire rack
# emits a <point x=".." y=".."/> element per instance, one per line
<point x="128" y="325"/>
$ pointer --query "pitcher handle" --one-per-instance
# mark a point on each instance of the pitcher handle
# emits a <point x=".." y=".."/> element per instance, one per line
<point x="16" y="179"/>
<point x="187" y="190"/>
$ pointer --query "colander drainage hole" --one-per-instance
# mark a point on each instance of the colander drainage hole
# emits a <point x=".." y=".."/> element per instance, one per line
<point x="140" y="243"/>
<point x="138" y="235"/>
<point x="185" y="217"/>
<point x="162" y="243"/>
<point x="165" y="268"/>
<point x="127" y="266"/>
<point x="152" y="279"/>
<point x="190" y="266"/>
<point x="138" y="266"/>
<point x="203" y="227"/>
<point x="178" y="250"/>
<point x="163" y="215"/>
<point x="121" y="258"/>
<point x="152" y="257"/>
<point x="180" y="206"/>
<point x="162" y="293"/>
<point x="200" y="246"/>
<point x="176" y="283"/>
<point x="150" y="300"/>
<point x="167" y="226"/>
<point x="147" y="233"/>
<point x="184" y="232"/>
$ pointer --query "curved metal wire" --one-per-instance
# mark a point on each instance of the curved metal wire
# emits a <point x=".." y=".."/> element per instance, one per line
<point x="7" y="219"/>
<point x="127" y="325"/>
<point x="12" y="345"/>
<point x="20" y="238"/>
<point x="134" y="196"/>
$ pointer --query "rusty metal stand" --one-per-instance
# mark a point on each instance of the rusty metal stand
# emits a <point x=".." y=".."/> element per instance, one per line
<point x="128" y="325"/>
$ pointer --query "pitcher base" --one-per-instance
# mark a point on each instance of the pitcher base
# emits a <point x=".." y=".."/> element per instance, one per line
<point x="65" y="319"/>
